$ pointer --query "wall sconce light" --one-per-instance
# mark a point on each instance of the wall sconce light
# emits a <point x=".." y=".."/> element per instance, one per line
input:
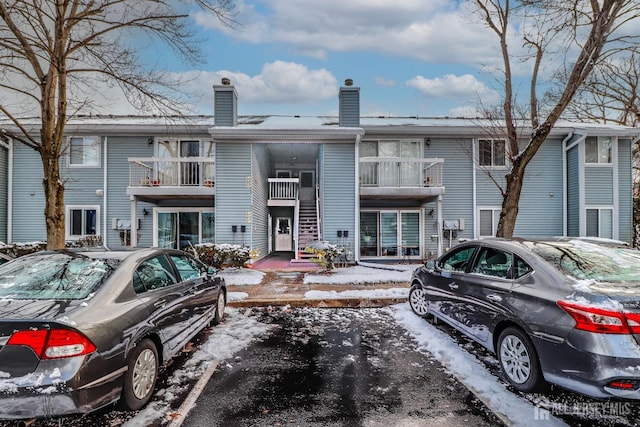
<point x="427" y="141"/>
<point x="431" y="212"/>
<point x="150" y="140"/>
<point x="145" y="212"/>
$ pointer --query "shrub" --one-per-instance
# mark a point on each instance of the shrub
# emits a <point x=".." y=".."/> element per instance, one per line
<point x="325" y="254"/>
<point x="223" y="254"/>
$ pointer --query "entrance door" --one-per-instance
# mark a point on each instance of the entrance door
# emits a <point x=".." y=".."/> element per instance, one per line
<point x="307" y="185"/>
<point x="283" y="235"/>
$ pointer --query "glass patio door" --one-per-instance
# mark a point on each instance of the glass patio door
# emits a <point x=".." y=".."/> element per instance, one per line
<point x="389" y="233"/>
<point x="181" y="229"/>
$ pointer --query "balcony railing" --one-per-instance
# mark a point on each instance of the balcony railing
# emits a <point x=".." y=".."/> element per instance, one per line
<point x="283" y="188"/>
<point x="175" y="172"/>
<point x="400" y="172"/>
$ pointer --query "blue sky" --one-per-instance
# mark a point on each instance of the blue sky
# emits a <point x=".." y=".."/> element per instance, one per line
<point x="409" y="57"/>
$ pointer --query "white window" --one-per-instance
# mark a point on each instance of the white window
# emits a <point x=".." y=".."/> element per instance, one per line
<point x="84" y="151"/>
<point x="492" y="152"/>
<point x="600" y="222"/>
<point x="82" y="221"/>
<point x="597" y="149"/>
<point x="488" y="221"/>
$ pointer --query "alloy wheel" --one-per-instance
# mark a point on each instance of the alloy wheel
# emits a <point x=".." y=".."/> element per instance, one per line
<point x="515" y="359"/>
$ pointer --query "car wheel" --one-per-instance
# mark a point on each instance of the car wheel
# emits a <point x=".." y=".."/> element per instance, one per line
<point x="519" y="360"/>
<point x="141" y="375"/>
<point x="222" y="302"/>
<point x="418" y="301"/>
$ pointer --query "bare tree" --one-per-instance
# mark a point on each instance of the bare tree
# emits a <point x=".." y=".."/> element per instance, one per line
<point x="52" y="51"/>
<point x="594" y="29"/>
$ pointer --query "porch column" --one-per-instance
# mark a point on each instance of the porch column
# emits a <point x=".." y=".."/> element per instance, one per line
<point x="134" y="222"/>
<point x="439" y="218"/>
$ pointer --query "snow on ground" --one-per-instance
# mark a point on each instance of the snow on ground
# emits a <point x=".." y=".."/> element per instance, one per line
<point x="364" y="294"/>
<point x="236" y="333"/>
<point x="360" y="275"/>
<point x="241" y="276"/>
<point x="468" y="370"/>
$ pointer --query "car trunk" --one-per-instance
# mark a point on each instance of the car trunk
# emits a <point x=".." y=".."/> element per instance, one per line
<point x="21" y="315"/>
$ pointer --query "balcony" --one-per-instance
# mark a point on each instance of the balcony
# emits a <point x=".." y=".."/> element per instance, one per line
<point x="283" y="191"/>
<point x="400" y="178"/>
<point x="154" y="178"/>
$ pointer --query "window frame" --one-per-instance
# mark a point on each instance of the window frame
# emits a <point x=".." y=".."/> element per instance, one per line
<point x="599" y="210"/>
<point x="98" y="148"/>
<point x="68" y="221"/>
<point x="599" y="143"/>
<point x="495" y="210"/>
<point x="493" y="164"/>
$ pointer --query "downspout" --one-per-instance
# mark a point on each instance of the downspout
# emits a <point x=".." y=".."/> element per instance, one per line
<point x="356" y="232"/>
<point x="104" y="195"/>
<point x="564" y="183"/>
<point x="9" y="146"/>
<point x="474" y="186"/>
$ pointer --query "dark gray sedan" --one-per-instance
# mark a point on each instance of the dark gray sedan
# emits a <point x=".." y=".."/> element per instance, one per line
<point x="81" y="330"/>
<point x="563" y="311"/>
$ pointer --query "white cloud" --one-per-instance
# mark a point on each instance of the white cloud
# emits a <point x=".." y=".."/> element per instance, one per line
<point x="382" y="81"/>
<point x="279" y="82"/>
<point x="432" y="31"/>
<point x="465" y="87"/>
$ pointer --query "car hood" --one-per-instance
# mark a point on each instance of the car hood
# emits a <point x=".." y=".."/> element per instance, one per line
<point x="37" y="309"/>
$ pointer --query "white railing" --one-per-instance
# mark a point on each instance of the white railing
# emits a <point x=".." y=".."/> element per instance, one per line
<point x="283" y="188"/>
<point x="177" y="172"/>
<point x="400" y="172"/>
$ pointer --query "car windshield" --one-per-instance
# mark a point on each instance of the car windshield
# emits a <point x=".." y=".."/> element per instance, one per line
<point x="58" y="276"/>
<point x="587" y="260"/>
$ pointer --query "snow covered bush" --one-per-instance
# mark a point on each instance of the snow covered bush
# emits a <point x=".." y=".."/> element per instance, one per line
<point x="325" y="254"/>
<point x="223" y="254"/>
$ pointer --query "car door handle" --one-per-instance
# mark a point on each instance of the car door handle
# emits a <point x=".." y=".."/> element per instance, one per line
<point x="494" y="297"/>
<point x="160" y="303"/>
<point x="453" y="286"/>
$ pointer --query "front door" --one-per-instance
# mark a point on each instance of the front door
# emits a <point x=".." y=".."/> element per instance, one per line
<point x="307" y="185"/>
<point x="284" y="240"/>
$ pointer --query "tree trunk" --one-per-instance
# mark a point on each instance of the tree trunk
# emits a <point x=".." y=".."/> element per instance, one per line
<point x="54" y="200"/>
<point x="510" y="202"/>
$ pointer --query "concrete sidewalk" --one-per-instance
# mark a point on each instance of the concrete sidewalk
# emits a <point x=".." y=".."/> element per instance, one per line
<point x="281" y="288"/>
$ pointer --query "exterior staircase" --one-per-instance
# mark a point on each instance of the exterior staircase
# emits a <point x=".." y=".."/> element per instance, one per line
<point x="307" y="228"/>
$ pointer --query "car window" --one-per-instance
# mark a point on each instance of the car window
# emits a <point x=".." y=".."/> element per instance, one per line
<point x="58" y="276"/>
<point x="493" y="262"/>
<point x="153" y="273"/>
<point x="520" y="268"/>
<point x="189" y="268"/>
<point x="458" y="260"/>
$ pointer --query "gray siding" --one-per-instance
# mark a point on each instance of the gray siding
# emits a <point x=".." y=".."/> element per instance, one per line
<point x="339" y="195"/>
<point x="225" y="107"/>
<point x="573" y="192"/>
<point x="233" y="195"/>
<point x="4" y="191"/>
<point x="349" y="107"/>
<point x="260" y="211"/>
<point x="120" y="148"/>
<point x="598" y="182"/>
<point x="28" y="196"/>
<point x="457" y="176"/>
<point x="625" y="191"/>
<point x="540" y="213"/>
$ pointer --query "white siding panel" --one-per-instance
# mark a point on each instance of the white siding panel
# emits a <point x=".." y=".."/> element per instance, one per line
<point x="233" y="190"/>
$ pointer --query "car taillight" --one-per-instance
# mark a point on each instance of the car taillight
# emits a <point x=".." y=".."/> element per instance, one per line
<point x="53" y="344"/>
<point x="600" y="320"/>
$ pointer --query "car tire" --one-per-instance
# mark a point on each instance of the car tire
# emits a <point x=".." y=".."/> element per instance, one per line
<point x="140" y="378"/>
<point x="418" y="302"/>
<point x="220" y="305"/>
<point x="519" y="360"/>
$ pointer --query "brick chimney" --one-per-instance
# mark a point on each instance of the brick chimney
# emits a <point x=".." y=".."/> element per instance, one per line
<point x="225" y="104"/>
<point x="349" y="105"/>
